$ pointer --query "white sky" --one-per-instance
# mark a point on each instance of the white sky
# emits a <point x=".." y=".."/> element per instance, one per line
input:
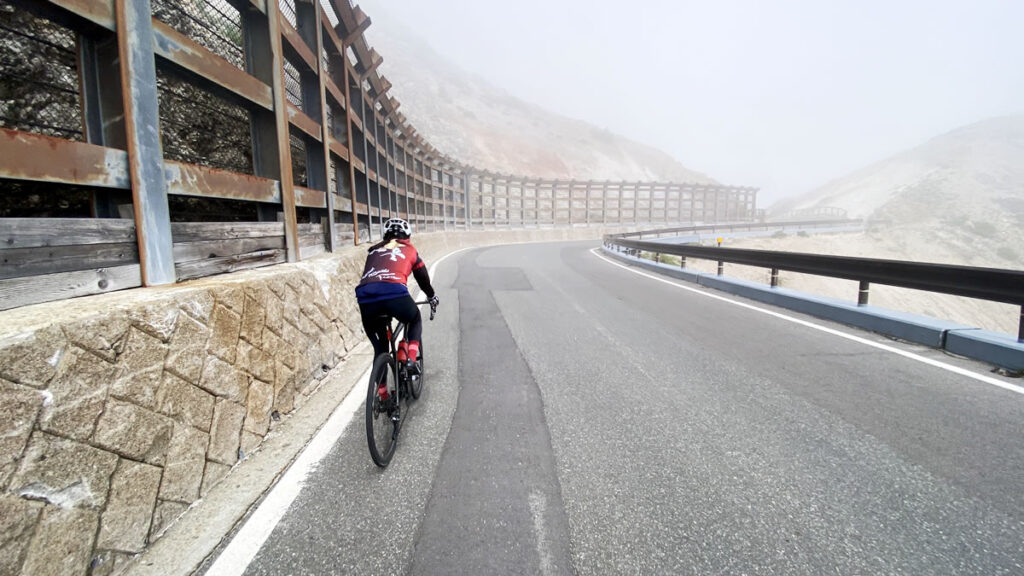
<point x="784" y="95"/>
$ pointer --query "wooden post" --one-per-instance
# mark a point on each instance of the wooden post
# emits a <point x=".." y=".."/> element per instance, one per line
<point x="142" y="126"/>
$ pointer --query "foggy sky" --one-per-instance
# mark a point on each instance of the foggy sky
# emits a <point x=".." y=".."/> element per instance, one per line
<point x="784" y="95"/>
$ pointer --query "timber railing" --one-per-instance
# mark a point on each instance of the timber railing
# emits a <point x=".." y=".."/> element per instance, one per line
<point x="144" y="143"/>
<point x="993" y="284"/>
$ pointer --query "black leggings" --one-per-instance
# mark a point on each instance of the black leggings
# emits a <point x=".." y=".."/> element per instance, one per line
<point x="403" y="308"/>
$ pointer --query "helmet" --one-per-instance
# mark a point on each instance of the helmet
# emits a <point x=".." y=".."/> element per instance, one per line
<point x="397" y="228"/>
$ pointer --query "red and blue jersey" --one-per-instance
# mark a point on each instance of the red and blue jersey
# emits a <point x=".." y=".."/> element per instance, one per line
<point x="388" y="266"/>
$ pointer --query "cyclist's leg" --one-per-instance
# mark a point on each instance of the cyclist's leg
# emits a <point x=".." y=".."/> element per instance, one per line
<point x="374" y="326"/>
<point x="406" y="311"/>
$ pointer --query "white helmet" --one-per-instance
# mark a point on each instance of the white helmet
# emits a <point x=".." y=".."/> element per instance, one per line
<point x="397" y="228"/>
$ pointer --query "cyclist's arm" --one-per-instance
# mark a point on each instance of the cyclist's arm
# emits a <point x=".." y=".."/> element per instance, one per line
<point x="419" y="272"/>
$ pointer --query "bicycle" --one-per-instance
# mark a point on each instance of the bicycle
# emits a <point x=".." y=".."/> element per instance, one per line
<point x="384" y="418"/>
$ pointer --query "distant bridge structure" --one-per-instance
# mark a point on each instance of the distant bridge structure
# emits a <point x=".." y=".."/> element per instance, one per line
<point x="197" y="137"/>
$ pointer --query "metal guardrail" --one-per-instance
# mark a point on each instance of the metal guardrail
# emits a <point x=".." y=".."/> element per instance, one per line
<point x="993" y="284"/>
<point x="737" y="226"/>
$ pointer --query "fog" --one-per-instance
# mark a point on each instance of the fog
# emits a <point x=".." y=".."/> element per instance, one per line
<point x="782" y="95"/>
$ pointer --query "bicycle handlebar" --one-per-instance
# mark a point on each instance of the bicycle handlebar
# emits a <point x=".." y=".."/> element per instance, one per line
<point x="433" y="310"/>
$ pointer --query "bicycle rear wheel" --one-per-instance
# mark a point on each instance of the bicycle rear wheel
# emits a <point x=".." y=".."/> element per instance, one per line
<point x="416" y="382"/>
<point x="381" y="430"/>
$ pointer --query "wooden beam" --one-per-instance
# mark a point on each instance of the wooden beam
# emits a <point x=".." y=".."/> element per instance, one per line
<point x="309" y="198"/>
<point x="15" y="292"/>
<point x="193" y="180"/>
<point x="296" y="43"/>
<point x="23" y="262"/>
<point x="27" y="156"/>
<point x="349" y="38"/>
<point x="100" y="12"/>
<point x="18" y="233"/>
<point x="303" y="122"/>
<point x="181" y="50"/>
<point x="233" y="263"/>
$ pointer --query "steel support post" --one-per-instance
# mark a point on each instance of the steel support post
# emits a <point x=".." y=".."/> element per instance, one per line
<point x="102" y="107"/>
<point x="142" y="127"/>
<point x="862" y="294"/>
<point x="326" y="132"/>
<point x="284" y="153"/>
<point x="775" y="277"/>
<point x="351" y="150"/>
<point x="376" y="162"/>
<point x="366" y="160"/>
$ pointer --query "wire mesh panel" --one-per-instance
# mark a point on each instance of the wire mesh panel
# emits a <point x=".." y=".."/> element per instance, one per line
<point x="336" y="121"/>
<point x="332" y="174"/>
<point x="292" y="84"/>
<point x="288" y="11"/>
<point x="197" y="127"/>
<point x="329" y="11"/>
<point x="214" y="24"/>
<point x="38" y="75"/>
<point x="298" y="146"/>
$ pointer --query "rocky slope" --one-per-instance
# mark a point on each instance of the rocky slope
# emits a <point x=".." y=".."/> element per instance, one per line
<point x="474" y="121"/>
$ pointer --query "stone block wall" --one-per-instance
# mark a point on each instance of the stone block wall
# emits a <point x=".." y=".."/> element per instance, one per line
<point x="121" y="410"/>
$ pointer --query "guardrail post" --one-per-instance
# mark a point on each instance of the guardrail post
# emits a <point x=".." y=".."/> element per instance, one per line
<point x="775" y="277"/>
<point x="657" y="257"/>
<point x="682" y="261"/>
<point x="862" y="295"/>
<point x="1020" y="327"/>
<point x="721" y="268"/>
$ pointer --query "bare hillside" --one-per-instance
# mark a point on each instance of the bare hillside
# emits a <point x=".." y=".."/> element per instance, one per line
<point x="956" y="199"/>
<point x="476" y="122"/>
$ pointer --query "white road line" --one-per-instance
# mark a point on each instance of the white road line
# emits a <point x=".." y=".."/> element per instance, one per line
<point x="880" y="346"/>
<point x="237" y="556"/>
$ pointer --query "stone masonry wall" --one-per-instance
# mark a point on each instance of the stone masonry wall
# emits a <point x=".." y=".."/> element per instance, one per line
<point x="121" y="410"/>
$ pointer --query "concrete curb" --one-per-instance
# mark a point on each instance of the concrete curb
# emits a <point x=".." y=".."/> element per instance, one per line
<point x="995" y="348"/>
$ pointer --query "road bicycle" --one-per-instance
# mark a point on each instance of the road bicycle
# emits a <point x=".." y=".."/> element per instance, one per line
<point x="384" y="418"/>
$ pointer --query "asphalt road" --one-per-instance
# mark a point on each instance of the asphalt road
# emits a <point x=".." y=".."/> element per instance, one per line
<point x="579" y="418"/>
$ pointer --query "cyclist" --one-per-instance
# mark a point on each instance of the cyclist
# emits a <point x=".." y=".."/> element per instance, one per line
<point x="383" y="292"/>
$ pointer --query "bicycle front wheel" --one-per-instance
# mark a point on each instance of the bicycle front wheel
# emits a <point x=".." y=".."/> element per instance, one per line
<point x="381" y="429"/>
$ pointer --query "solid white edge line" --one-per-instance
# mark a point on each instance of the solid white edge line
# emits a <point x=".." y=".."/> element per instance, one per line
<point x="878" y="345"/>
<point x="240" y="552"/>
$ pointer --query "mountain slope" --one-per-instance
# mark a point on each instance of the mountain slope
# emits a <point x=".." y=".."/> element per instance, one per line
<point x="478" y="123"/>
<point x="956" y="199"/>
<point x="975" y="172"/>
